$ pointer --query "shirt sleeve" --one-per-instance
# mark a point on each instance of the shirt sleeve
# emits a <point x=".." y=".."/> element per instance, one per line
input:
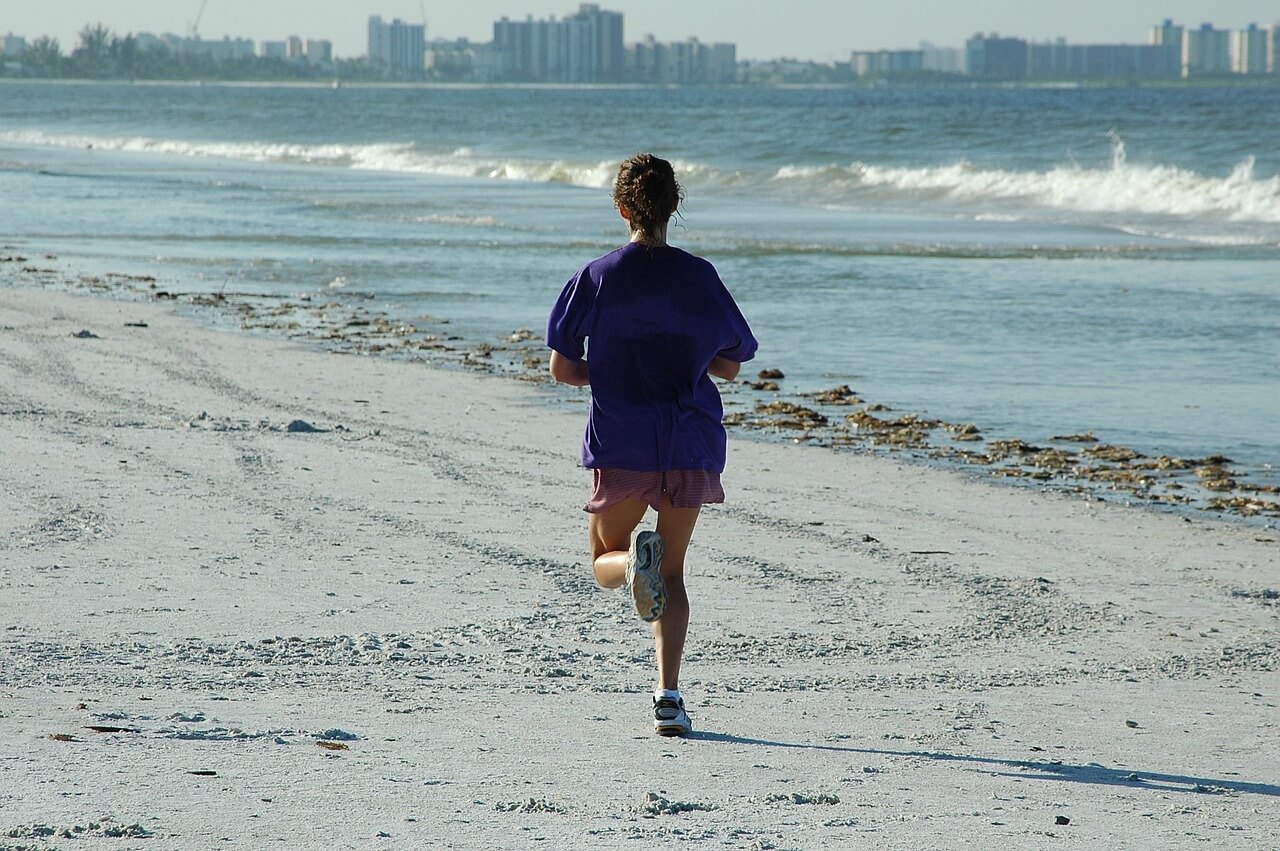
<point x="566" y="326"/>
<point x="742" y="344"/>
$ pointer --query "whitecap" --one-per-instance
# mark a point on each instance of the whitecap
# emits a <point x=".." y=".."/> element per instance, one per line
<point x="1122" y="188"/>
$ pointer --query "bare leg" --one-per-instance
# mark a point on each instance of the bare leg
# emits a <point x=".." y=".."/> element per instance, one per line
<point x="675" y="527"/>
<point x="610" y="538"/>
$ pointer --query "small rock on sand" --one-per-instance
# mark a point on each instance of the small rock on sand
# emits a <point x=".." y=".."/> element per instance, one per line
<point x="336" y="735"/>
<point x="302" y="427"/>
<point x="85" y="334"/>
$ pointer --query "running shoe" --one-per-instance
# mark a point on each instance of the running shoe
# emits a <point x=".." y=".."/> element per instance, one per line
<point x="644" y="580"/>
<point x="669" y="717"/>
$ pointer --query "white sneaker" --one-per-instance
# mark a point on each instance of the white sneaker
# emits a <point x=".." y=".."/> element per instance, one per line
<point x="644" y="579"/>
<point x="669" y="717"/>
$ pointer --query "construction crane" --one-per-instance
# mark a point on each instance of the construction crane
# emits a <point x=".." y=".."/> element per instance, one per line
<point x="195" y="25"/>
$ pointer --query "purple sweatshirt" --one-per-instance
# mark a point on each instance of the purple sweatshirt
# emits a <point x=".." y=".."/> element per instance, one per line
<point x="655" y="316"/>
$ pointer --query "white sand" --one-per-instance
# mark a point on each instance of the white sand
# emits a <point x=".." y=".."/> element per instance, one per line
<point x="229" y="592"/>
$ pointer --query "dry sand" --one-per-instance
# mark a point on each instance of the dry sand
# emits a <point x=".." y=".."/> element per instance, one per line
<point x="881" y="655"/>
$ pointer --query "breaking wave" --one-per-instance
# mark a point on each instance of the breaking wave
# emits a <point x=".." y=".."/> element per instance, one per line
<point x="390" y="156"/>
<point x="1122" y="188"/>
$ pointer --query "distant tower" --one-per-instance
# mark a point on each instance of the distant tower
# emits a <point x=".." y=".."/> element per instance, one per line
<point x="398" y="47"/>
<point x="379" y="42"/>
<point x="1167" y="33"/>
<point x="996" y="58"/>
<point x="1206" y="51"/>
<point x="319" y="51"/>
<point x="1249" y="51"/>
<point x="583" y="47"/>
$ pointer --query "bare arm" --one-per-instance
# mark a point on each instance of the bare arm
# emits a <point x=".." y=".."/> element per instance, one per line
<point x="567" y="371"/>
<point x="724" y="368"/>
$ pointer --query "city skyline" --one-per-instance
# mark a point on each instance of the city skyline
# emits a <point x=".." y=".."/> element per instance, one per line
<point x="821" y="30"/>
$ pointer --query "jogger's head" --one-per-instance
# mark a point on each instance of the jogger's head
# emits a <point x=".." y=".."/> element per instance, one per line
<point x="647" y="194"/>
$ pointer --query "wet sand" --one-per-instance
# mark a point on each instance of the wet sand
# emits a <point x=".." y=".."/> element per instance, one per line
<point x="382" y="632"/>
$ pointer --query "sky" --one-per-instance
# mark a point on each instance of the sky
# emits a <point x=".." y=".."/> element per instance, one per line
<point x="806" y="29"/>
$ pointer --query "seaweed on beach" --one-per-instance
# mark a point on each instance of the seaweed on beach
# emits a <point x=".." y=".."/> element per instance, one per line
<point x="1075" y="463"/>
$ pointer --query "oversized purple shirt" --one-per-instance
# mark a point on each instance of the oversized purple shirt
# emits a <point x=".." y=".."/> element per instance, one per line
<point x="655" y="316"/>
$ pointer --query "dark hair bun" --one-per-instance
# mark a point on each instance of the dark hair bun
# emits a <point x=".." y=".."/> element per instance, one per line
<point x="647" y="189"/>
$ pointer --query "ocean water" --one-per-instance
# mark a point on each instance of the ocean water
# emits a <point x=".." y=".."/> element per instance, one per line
<point x="1036" y="261"/>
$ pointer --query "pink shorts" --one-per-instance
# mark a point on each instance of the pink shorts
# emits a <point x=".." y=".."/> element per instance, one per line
<point x="685" y="488"/>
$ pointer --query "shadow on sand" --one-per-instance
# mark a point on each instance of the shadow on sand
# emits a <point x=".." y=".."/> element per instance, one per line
<point x="1089" y="773"/>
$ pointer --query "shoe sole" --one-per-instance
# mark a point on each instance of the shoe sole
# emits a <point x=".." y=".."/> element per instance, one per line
<point x="648" y="591"/>
<point x="672" y="730"/>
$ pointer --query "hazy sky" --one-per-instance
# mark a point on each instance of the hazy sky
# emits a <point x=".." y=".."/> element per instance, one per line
<point x="810" y="29"/>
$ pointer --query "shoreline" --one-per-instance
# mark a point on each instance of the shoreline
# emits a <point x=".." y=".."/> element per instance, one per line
<point x="835" y="418"/>
<point x="383" y="632"/>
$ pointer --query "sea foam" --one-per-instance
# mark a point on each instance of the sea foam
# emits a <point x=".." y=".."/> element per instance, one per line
<point x="1122" y="188"/>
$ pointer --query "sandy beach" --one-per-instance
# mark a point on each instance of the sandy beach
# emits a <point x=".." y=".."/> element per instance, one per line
<point x="378" y="629"/>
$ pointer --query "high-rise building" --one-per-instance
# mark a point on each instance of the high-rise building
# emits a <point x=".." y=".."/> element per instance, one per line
<point x="996" y="58"/>
<point x="1249" y="50"/>
<point x="319" y="51"/>
<point x="218" y="50"/>
<point x="13" y="46"/>
<point x="273" y="50"/>
<point x="1273" y="49"/>
<point x="1168" y="33"/>
<point x="720" y="63"/>
<point x="583" y="47"/>
<point x="886" y="63"/>
<point x="1206" y="51"/>
<point x="397" y="47"/>
<point x="1168" y="37"/>
<point x="681" y="62"/>
<point x="1049" y="60"/>
<point x="226" y="48"/>
<point x="594" y="45"/>
<point x="1058" y="60"/>
<point x="379" y="42"/>
<point x="943" y="60"/>
<point x="294" y="48"/>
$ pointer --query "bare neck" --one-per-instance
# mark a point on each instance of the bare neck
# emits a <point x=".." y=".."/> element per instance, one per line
<point x="657" y="239"/>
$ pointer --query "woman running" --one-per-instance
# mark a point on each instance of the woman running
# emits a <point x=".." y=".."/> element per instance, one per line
<point x="660" y="324"/>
